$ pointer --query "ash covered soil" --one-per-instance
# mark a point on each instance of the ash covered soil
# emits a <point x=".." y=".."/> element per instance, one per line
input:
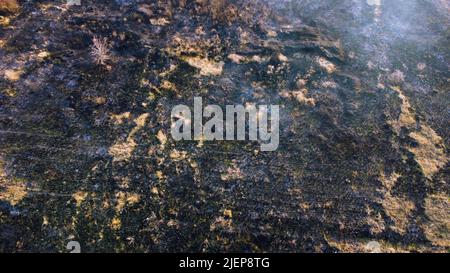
<point x="86" y="152"/>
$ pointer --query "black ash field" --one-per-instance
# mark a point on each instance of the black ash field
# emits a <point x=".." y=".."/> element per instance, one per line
<point x="86" y="153"/>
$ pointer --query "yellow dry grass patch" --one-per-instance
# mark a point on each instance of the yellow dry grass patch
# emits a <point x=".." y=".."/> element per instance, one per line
<point x="121" y="118"/>
<point x="123" y="199"/>
<point x="429" y="153"/>
<point x="167" y="85"/>
<point x="9" y="5"/>
<point x="328" y="66"/>
<point x="126" y="198"/>
<point x="4" y="21"/>
<point x="176" y="155"/>
<point x="162" y="138"/>
<point x="140" y="122"/>
<point x="11" y="190"/>
<point x="389" y="182"/>
<point x="14" y="193"/>
<point x="116" y="223"/>
<point x="160" y="21"/>
<point x="123" y="151"/>
<point x="207" y="67"/>
<point x="79" y="197"/>
<point x="235" y="58"/>
<point x="406" y="118"/>
<point x="299" y="95"/>
<point x="12" y="75"/>
<point x="43" y="54"/>
<point x="437" y="229"/>
<point x="399" y="210"/>
<point x="10" y="92"/>
<point x="160" y="175"/>
<point x="228" y="213"/>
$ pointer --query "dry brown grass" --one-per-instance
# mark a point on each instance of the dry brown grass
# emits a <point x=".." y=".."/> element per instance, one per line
<point x="9" y="5"/>
<point x="122" y="151"/>
<point x="399" y="210"/>
<point x="222" y="11"/>
<point x="437" y="228"/>
<point x="429" y="152"/>
<point x="11" y="190"/>
<point x="228" y="12"/>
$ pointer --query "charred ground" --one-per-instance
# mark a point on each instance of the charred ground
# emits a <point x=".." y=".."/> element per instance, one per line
<point x="86" y="152"/>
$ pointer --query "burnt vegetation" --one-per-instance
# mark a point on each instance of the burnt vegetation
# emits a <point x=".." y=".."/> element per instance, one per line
<point x="86" y="153"/>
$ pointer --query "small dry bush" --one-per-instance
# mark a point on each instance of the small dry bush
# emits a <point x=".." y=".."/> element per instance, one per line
<point x="100" y="50"/>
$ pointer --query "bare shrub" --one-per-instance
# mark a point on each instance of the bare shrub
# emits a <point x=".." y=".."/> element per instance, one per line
<point x="100" y="50"/>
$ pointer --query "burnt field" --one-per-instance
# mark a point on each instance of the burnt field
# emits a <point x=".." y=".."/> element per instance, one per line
<point x="86" y="152"/>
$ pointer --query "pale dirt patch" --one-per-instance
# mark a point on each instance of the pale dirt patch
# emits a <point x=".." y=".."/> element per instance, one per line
<point x="363" y="246"/>
<point x="13" y="75"/>
<point x="282" y="58"/>
<point x="159" y="22"/>
<point x="300" y="96"/>
<point x="329" y="84"/>
<point x="43" y="54"/>
<point x="235" y="58"/>
<point x="207" y="67"/>
<point x="328" y="66"/>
